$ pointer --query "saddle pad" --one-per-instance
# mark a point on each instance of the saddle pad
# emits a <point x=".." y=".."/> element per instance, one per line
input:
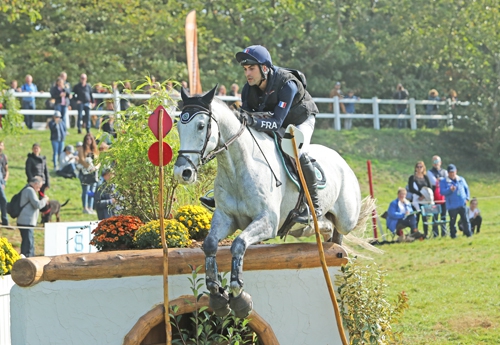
<point x="292" y="172"/>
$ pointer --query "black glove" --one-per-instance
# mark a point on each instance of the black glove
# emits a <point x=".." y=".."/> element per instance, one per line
<point x="249" y="120"/>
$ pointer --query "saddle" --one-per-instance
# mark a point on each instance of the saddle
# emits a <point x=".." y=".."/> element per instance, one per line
<point x="291" y="167"/>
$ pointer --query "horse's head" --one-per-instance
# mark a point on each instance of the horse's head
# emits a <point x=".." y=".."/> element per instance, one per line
<point x="199" y="135"/>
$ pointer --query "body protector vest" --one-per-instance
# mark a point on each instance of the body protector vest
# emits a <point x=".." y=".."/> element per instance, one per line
<point x="254" y="100"/>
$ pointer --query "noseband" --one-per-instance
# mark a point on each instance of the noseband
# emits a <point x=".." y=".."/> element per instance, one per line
<point x="199" y="110"/>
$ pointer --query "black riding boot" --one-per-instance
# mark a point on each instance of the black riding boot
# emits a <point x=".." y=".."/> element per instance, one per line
<point x="312" y="185"/>
<point x="210" y="202"/>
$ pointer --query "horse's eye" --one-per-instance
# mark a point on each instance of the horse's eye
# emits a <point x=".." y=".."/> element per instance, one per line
<point x="201" y="125"/>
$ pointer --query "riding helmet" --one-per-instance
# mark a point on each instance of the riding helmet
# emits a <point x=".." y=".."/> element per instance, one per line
<point x="254" y="55"/>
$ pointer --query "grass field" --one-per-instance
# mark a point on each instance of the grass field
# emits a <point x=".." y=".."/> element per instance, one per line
<point x="452" y="284"/>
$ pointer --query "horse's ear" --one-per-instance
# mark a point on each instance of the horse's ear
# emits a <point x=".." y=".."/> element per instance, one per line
<point x="209" y="96"/>
<point x="184" y="95"/>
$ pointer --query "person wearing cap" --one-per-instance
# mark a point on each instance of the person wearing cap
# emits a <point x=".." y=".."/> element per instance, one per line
<point x="36" y="165"/>
<point x="456" y="192"/>
<point x="282" y="94"/>
<point x="105" y="199"/>
<point x="435" y="174"/>
<point x="57" y="136"/>
<point x="67" y="163"/>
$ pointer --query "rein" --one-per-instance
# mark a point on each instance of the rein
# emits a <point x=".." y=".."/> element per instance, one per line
<point x="201" y="153"/>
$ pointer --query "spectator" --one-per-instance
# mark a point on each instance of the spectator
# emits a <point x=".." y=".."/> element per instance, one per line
<point x="235" y="93"/>
<point x="456" y="191"/>
<point x="14" y="87"/>
<point x="431" y="109"/>
<point x="474" y="216"/>
<point x="105" y="197"/>
<point x="36" y="165"/>
<point x="400" y="216"/>
<point x="60" y="93"/>
<point x="28" y="102"/>
<point x="4" y="176"/>
<point x="416" y="184"/>
<point x="84" y="100"/>
<point x="350" y="108"/>
<point x="125" y="102"/>
<point x="435" y="174"/>
<point x="67" y="163"/>
<point x="57" y="136"/>
<point x="401" y="109"/>
<point x="336" y="92"/>
<point x="222" y="91"/>
<point x="87" y="154"/>
<point x="28" y="217"/>
<point x="185" y="85"/>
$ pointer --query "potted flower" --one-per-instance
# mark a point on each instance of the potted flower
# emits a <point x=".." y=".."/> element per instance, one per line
<point x="197" y="219"/>
<point x="148" y="236"/>
<point x="115" y="233"/>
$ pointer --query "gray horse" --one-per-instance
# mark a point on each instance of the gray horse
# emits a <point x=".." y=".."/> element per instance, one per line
<point x="247" y="194"/>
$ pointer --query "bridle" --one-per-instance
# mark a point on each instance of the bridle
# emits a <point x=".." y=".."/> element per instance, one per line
<point x="200" y="110"/>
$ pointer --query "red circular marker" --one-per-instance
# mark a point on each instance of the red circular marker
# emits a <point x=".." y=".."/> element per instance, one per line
<point x="153" y="122"/>
<point x="154" y="153"/>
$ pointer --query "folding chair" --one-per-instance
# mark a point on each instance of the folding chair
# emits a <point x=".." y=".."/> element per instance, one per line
<point x="431" y="211"/>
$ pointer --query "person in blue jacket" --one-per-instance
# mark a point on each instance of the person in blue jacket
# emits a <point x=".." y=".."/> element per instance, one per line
<point x="456" y="192"/>
<point x="400" y="216"/>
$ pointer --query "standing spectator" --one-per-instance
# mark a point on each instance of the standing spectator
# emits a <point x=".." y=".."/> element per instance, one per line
<point x="84" y="100"/>
<point x="36" y="165"/>
<point x="125" y="102"/>
<point x="431" y="109"/>
<point x="185" y="85"/>
<point x="67" y="163"/>
<point x="435" y="174"/>
<point x="4" y="171"/>
<point x="14" y="87"/>
<point x="235" y="93"/>
<point x="350" y="108"/>
<point x="456" y="191"/>
<point x="28" y="102"/>
<point x="416" y="184"/>
<point x="57" y="136"/>
<point x="474" y="216"/>
<point x="28" y="217"/>
<point x="105" y="197"/>
<point x="337" y="92"/>
<point x="401" y="109"/>
<point x="87" y="154"/>
<point x="222" y="91"/>
<point x="60" y="93"/>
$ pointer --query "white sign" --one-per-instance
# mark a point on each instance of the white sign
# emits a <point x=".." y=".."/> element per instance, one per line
<point x="69" y="238"/>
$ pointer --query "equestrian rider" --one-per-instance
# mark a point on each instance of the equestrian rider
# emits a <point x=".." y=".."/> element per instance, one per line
<point x="282" y="94"/>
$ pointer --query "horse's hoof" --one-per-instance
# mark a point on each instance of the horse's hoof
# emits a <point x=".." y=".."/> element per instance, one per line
<point x="242" y="305"/>
<point x="219" y="303"/>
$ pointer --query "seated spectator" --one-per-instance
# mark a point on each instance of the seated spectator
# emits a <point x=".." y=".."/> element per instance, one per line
<point x="474" y="216"/>
<point x="67" y="163"/>
<point x="105" y="197"/>
<point x="400" y="216"/>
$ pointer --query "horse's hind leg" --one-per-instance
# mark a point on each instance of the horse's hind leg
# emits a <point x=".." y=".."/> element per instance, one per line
<point x="219" y="298"/>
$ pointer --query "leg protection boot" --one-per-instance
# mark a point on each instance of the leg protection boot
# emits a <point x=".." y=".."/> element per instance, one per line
<point x="312" y="185"/>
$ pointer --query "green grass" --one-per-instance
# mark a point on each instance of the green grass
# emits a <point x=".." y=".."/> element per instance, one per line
<point x="452" y="284"/>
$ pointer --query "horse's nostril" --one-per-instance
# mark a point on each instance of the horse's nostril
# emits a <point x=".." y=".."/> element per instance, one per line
<point x="186" y="174"/>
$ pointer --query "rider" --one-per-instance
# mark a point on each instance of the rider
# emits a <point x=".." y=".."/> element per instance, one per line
<point x="282" y="94"/>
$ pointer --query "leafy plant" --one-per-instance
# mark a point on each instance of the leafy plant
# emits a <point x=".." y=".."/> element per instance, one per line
<point x="366" y="313"/>
<point x="197" y="219"/>
<point x="204" y="328"/>
<point x="115" y="232"/>
<point x="148" y="235"/>
<point x="8" y="255"/>
<point x="12" y="123"/>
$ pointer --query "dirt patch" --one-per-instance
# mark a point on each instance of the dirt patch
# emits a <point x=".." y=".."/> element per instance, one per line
<point x="223" y="243"/>
<point x="468" y="322"/>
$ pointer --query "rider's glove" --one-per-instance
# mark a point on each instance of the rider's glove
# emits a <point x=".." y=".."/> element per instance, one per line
<point x="250" y="121"/>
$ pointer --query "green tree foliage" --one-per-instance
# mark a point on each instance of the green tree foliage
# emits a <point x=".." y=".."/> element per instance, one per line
<point x="368" y="45"/>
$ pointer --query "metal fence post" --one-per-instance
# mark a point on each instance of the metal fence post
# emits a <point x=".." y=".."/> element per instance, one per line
<point x="336" y="111"/>
<point x="376" y="119"/>
<point x="116" y="99"/>
<point x="413" y="114"/>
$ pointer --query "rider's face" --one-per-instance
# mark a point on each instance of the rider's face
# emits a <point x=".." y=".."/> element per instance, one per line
<point x="252" y="73"/>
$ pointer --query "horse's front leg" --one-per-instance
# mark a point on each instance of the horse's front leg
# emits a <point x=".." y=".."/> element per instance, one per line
<point x="221" y="226"/>
<point x="260" y="229"/>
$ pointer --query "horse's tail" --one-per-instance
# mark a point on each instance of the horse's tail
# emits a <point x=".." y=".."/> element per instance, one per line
<point x="368" y="204"/>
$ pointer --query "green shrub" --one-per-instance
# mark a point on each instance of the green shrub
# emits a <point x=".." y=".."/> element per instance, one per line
<point x="148" y="235"/>
<point x="8" y="255"/>
<point x="366" y="313"/>
<point x="197" y="219"/>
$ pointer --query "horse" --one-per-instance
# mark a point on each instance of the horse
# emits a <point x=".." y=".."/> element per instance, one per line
<point x="248" y="195"/>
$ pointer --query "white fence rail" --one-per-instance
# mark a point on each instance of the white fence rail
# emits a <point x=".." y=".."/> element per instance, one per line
<point x="336" y="115"/>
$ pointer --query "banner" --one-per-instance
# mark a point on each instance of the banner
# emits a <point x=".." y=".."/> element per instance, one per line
<point x="192" y="53"/>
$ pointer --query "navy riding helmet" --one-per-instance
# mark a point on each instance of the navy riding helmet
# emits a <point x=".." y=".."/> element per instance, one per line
<point x="255" y="55"/>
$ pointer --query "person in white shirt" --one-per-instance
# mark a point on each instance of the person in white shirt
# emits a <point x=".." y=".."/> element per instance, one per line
<point x="67" y="163"/>
<point x="474" y="216"/>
